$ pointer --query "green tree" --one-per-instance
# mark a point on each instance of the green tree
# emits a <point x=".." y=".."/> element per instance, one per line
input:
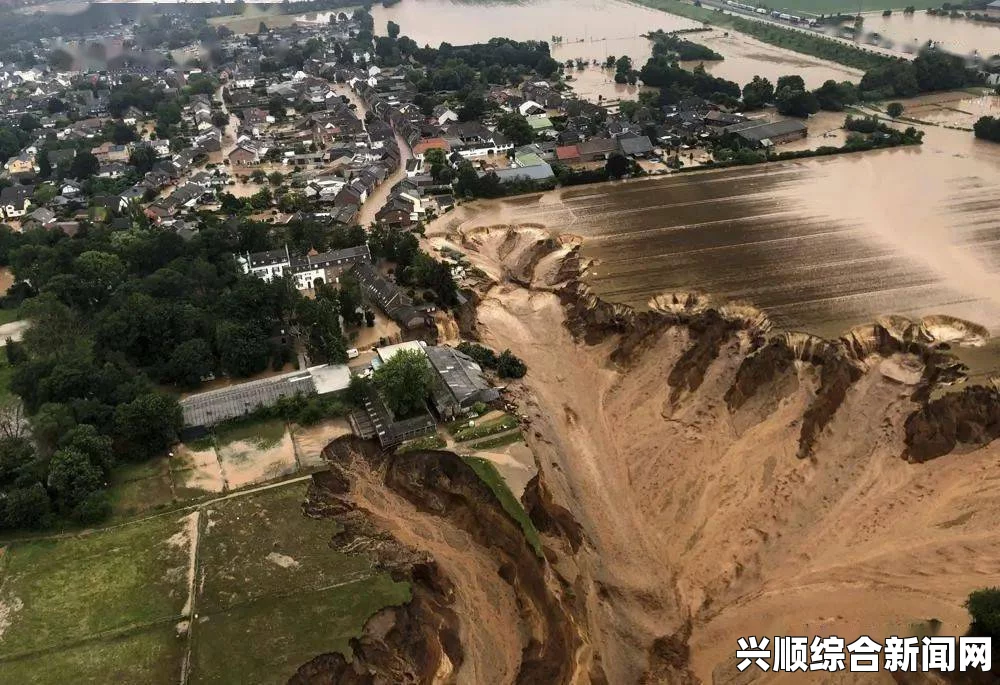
<point x="147" y="425"/>
<point x="796" y="103"/>
<point x="276" y="178"/>
<point x="403" y="382"/>
<point x="617" y="165"/>
<point x="60" y="60"/>
<point x="757" y="93"/>
<point x="29" y="122"/>
<point x="509" y="366"/>
<point x="392" y="29"/>
<point x="516" y="128"/>
<point x="26" y="507"/>
<point x="191" y="361"/>
<point x="73" y="478"/>
<point x="100" y="273"/>
<point x="793" y="81"/>
<point x="894" y="109"/>
<point x="84" y="165"/>
<point x="242" y="348"/>
<point x="984" y="606"/>
<point x="85" y="439"/>
<point x="143" y="158"/>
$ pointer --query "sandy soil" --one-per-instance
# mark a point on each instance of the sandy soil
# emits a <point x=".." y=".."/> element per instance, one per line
<point x="309" y="442"/>
<point x="515" y="463"/>
<point x="486" y="605"/>
<point x="692" y="514"/>
<point x="245" y="462"/>
<point x="196" y="470"/>
<point x="6" y="280"/>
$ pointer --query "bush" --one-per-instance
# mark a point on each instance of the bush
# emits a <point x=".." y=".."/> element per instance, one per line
<point x="984" y="606"/>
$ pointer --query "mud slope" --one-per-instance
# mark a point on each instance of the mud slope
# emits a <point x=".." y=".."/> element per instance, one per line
<point x="482" y="609"/>
<point x="729" y="483"/>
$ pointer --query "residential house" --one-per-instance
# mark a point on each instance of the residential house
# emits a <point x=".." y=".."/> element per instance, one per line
<point x="306" y="271"/>
<point x="23" y="163"/>
<point x="15" y="200"/>
<point x="391" y="299"/>
<point x="635" y="146"/>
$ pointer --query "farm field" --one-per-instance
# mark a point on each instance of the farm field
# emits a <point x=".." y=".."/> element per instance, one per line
<point x="229" y="459"/>
<point x="268" y="592"/>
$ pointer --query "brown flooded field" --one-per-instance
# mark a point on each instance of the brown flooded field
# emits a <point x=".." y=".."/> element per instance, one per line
<point x="908" y="32"/>
<point x="820" y="244"/>
<point x="595" y="29"/>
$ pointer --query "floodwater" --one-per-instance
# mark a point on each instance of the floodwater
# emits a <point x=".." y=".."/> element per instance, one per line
<point x="909" y="32"/>
<point x="595" y="29"/>
<point x="821" y="245"/>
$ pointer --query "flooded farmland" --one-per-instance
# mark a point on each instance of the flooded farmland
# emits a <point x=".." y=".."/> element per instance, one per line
<point x="595" y="29"/>
<point x="909" y="32"/>
<point x="820" y="244"/>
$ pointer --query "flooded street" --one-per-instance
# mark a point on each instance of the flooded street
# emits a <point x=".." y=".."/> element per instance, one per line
<point x="909" y="32"/>
<point x="821" y="244"/>
<point x="595" y="29"/>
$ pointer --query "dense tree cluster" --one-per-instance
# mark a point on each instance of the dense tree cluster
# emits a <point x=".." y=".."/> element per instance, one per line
<point x="931" y="70"/>
<point x="663" y="72"/>
<point x="505" y="364"/>
<point x="117" y="314"/>
<point x="403" y="382"/>
<point x="678" y="48"/>
<point x="413" y="267"/>
<point x="988" y="128"/>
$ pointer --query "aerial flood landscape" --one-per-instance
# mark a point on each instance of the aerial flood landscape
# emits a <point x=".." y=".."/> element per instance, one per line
<point x="579" y="342"/>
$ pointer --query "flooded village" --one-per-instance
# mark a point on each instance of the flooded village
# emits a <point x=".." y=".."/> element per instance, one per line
<point x="439" y="341"/>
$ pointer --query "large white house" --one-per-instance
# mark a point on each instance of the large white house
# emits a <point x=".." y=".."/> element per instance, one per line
<point x="306" y="271"/>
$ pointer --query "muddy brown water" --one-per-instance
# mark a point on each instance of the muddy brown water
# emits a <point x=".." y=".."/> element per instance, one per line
<point x="820" y="244"/>
<point x="909" y="32"/>
<point x="594" y="29"/>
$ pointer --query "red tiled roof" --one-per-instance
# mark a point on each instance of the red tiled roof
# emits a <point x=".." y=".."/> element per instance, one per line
<point x="431" y="144"/>
<point x="567" y="152"/>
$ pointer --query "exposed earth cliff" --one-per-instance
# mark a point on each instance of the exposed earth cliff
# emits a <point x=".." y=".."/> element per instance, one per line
<point x="701" y="478"/>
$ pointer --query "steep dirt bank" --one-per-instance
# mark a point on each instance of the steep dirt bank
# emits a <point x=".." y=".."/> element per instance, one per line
<point x="675" y="439"/>
<point x="482" y="609"/>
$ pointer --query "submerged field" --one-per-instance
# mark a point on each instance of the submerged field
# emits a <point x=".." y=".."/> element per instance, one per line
<point x="116" y="605"/>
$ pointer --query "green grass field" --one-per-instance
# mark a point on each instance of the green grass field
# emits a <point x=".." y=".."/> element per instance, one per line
<point x="264" y="434"/>
<point x="489" y="475"/>
<point x="105" y="607"/>
<point x="150" y="656"/>
<point x="501" y="441"/>
<point x="804" y="42"/>
<point x="817" y="7"/>
<point x="484" y="429"/>
<point x="264" y="642"/>
<point x="71" y="589"/>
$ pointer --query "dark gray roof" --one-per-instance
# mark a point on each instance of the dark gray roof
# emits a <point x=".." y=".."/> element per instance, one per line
<point x="16" y="195"/>
<point x="756" y="131"/>
<point x="215" y="406"/>
<point x="535" y="172"/>
<point x="638" y="145"/>
<point x="462" y="376"/>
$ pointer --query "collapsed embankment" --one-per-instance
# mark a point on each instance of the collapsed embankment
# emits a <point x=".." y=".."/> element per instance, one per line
<point x="674" y="439"/>
<point x="482" y="609"/>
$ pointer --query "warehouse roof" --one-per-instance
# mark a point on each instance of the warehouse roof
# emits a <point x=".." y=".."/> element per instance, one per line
<point x="756" y="131"/>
